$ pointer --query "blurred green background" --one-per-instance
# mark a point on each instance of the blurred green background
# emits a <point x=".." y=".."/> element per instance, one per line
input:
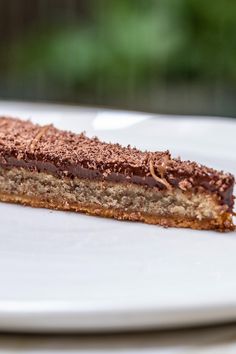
<point x="166" y="56"/>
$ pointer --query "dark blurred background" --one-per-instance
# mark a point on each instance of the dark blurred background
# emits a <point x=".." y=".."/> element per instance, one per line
<point x="171" y="56"/>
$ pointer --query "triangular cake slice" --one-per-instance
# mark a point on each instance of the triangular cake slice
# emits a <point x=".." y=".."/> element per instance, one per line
<point x="42" y="166"/>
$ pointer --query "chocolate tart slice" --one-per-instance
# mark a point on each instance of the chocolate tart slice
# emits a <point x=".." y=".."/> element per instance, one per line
<point x="42" y="166"/>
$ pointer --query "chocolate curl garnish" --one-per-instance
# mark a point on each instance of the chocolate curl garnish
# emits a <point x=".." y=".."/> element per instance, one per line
<point x="38" y="136"/>
<point x="2" y="124"/>
<point x="161" y="180"/>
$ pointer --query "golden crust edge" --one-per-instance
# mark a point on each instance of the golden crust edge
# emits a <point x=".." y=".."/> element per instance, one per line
<point x="223" y="223"/>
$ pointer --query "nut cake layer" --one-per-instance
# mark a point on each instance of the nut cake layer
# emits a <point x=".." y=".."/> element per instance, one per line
<point x="66" y="156"/>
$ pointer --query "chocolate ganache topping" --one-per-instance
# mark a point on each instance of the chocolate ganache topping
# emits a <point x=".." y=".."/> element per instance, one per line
<point x="66" y="154"/>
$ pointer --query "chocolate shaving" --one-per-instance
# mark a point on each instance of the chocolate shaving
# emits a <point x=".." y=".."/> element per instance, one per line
<point x="161" y="180"/>
<point x="38" y="136"/>
<point x="3" y="123"/>
<point x="162" y="168"/>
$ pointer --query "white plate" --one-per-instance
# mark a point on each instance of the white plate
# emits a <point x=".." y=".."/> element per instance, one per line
<point x="66" y="271"/>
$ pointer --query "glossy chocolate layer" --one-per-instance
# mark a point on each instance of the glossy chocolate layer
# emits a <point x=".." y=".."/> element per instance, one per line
<point x="24" y="144"/>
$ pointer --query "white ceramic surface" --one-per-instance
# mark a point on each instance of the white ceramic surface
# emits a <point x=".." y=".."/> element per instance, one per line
<point x="66" y="271"/>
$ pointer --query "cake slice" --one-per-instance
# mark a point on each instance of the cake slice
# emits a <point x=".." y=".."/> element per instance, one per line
<point x="42" y="166"/>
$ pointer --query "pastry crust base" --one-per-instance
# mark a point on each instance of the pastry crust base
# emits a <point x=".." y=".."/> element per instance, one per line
<point x="222" y="223"/>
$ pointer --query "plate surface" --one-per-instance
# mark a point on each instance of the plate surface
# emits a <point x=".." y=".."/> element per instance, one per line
<point x="67" y="271"/>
